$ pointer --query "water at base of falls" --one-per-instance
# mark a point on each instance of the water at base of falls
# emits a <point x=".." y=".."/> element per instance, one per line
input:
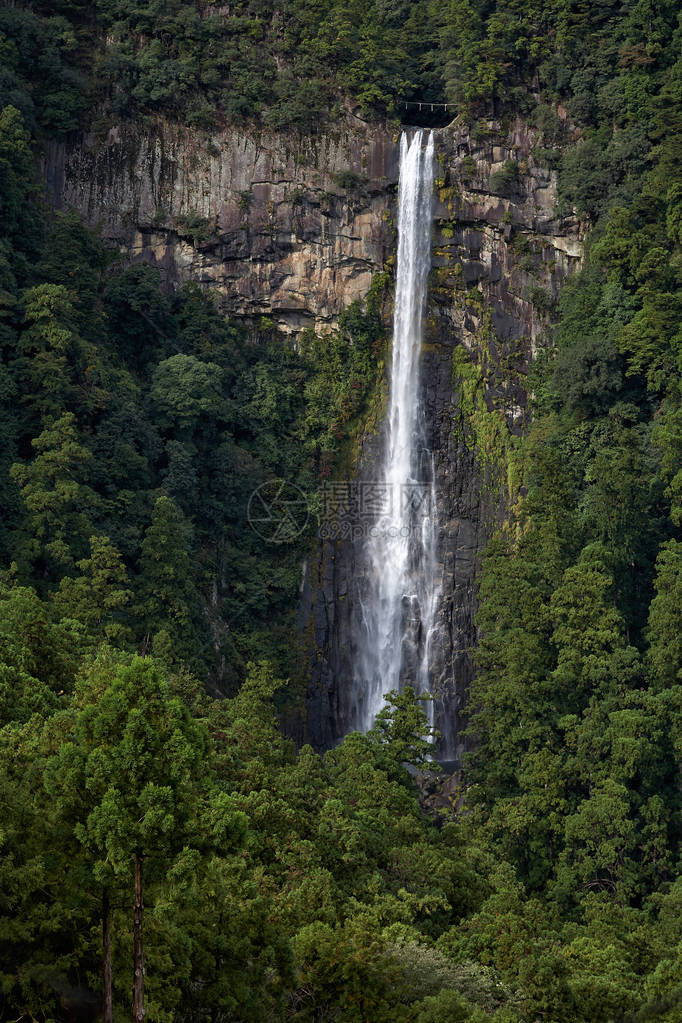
<point x="400" y="595"/>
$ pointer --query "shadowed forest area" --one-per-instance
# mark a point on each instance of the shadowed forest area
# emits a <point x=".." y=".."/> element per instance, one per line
<point x="139" y="740"/>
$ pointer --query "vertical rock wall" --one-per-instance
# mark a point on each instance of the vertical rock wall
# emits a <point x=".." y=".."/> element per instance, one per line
<point x="279" y="226"/>
<point x="294" y="230"/>
<point x="500" y="256"/>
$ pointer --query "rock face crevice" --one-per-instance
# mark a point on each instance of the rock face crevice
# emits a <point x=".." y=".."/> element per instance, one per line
<point x="294" y="230"/>
<point x="498" y="264"/>
<point x="280" y="227"/>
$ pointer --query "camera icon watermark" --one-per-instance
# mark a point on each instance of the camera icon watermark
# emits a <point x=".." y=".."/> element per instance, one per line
<point x="278" y="511"/>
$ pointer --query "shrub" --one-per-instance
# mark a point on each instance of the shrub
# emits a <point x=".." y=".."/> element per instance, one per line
<point x="467" y="168"/>
<point x="503" y="180"/>
<point x="348" y="180"/>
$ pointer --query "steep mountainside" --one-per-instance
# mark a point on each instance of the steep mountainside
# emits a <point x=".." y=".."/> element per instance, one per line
<point x="282" y="226"/>
<point x="198" y="267"/>
<point x="500" y="257"/>
<point x="295" y="230"/>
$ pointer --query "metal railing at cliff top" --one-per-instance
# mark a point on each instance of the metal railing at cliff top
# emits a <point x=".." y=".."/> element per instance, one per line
<point x="426" y="105"/>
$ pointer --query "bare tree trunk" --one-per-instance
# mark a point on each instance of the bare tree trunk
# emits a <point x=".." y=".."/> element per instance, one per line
<point x="138" y="946"/>
<point x="107" y="1001"/>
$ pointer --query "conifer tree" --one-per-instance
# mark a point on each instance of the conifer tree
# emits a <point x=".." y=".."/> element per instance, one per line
<point x="166" y="592"/>
<point x="129" y="775"/>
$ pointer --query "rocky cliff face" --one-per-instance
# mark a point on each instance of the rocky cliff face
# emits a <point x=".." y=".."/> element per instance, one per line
<point x="283" y="227"/>
<point x="294" y="230"/>
<point x="500" y="257"/>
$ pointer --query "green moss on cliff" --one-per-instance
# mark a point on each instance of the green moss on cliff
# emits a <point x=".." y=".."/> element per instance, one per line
<point x="481" y="423"/>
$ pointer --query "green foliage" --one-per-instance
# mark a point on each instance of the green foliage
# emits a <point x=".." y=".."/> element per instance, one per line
<point x="183" y="390"/>
<point x="57" y="500"/>
<point x="146" y="421"/>
<point x="401" y="730"/>
<point x="343" y="380"/>
<point x="40" y="76"/>
<point x="446" y="1007"/>
<point x="503" y="180"/>
<point x="665" y="649"/>
<point x="99" y="596"/>
<point x="135" y="425"/>
<point x="197" y="228"/>
<point x="134" y="749"/>
<point x="167" y="594"/>
<point x="575" y="706"/>
<point x="588" y="375"/>
<point x="348" y="180"/>
<point x="271" y="878"/>
<point x="467" y="168"/>
<point x="287" y="65"/>
<point x="292" y="64"/>
<point x="20" y="225"/>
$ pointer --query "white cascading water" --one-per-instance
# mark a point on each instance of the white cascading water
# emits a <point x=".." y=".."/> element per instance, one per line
<point x="402" y="592"/>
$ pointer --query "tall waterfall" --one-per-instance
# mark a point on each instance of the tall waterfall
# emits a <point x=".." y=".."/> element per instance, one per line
<point x="401" y="594"/>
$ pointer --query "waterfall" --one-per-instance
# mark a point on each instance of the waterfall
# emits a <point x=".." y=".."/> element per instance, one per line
<point x="401" y="592"/>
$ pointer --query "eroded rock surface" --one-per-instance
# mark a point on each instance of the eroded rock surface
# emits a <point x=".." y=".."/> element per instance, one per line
<point x="294" y="230"/>
<point x="499" y="260"/>
<point x="282" y="227"/>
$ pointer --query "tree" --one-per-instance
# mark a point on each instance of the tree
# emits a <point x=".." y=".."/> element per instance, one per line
<point x="600" y="840"/>
<point x="447" y="1007"/>
<point x="166" y="593"/>
<point x="20" y="223"/>
<point x="99" y="595"/>
<point x="665" y="638"/>
<point x="184" y="389"/>
<point x="57" y="499"/>
<point x="139" y="314"/>
<point x="588" y="375"/>
<point x="38" y="655"/>
<point x="511" y="701"/>
<point x="48" y="351"/>
<point x="346" y="966"/>
<point x="46" y="906"/>
<point x="129" y="775"/>
<point x="588" y="630"/>
<point x="401" y="731"/>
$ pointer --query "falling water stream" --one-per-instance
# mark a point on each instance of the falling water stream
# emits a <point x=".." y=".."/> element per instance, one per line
<point x="401" y="594"/>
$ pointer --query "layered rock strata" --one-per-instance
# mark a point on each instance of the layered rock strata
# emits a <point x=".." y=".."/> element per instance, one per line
<point x="288" y="228"/>
<point x="294" y="230"/>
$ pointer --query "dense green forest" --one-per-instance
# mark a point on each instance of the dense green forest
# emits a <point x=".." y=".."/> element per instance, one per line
<point x="279" y="884"/>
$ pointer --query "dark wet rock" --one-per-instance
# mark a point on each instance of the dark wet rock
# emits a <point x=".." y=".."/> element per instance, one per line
<point x="264" y="219"/>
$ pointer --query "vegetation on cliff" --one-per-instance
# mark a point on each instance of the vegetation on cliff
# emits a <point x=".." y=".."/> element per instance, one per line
<point x="293" y="63"/>
<point x="144" y="820"/>
<point x="577" y="704"/>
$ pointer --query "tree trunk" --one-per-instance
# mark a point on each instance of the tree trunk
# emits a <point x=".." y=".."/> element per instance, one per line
<point x="138" y="946"/>
<point x="107" y="1000"/>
